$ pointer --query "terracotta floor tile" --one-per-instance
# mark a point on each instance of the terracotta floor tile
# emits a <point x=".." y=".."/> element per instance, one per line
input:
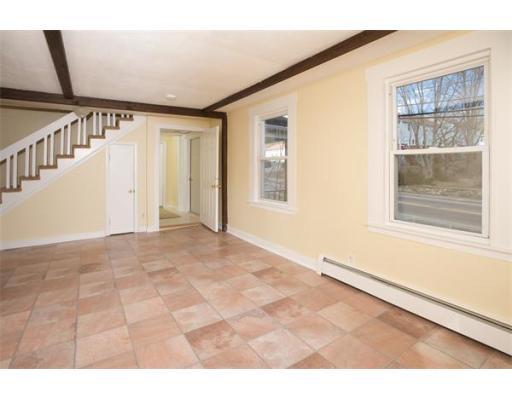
<point x="285" y="310"/>
<point x="254" y="265"/>
<point x="459" y="347"/>
<point x="239" y="357"/>
<point x="133" y="280"/>
<point x="498" y="359"/>
<point x="422" y="355"/>
<point x="121" y="361"/>
<point x="338" y="290"/>
<point x="262" y="294"/>
<point x="137" y="293"/>
<point x="232" y="271"/>
<point x="314" y="299"/>
<point x="157" y="265"/>
<point x="99" y="302"/>
<point x="172" y="285"/>
<point x="57" y="296"/>
<point x="311" y="278"/>
<point x="368" y="304"/>
<point x="57" y="273"/>
<point x="349" y="352"/>
<point x="407" y="322"/>
<point x="314" y="361"/>
<point x="53" y="312"/>
<point x="4" y="364"/>
<point x="384" y="338"/>
<point x="60" y="284"/>
<point x="153" y="330"/>
<point x="231" y="303"/>
<point x="13" y="322"/>
<point x="212" y="339"/>
<point x="101" y="346"/>
<point x="194" y="317"/>
<point x="314" y="330"/>
<point x="269" y="275"/>
<point x="93" y="289"/>
<point x="280" y="349"/>
<point x="15" y="292"/>
<point x="344" y="316"/>
<point x="289" y="285"/>
<point x="171" y="353"/>
<point x="145" y="309"/>
<point x="182" y="299"/>
<point x="290" y="268"/>
<point x="96" y="277"/>
<point x="244" y="281"/>
<point x="57" y="356"/>
<point x="92" y="323"/>
<point x="37" y="336"/>
<point x="19" y="304"/>
<point x="253" y="324"/>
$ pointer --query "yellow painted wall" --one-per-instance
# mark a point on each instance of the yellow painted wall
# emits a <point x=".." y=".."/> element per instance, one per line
<point x="332" y="167"/>
<point x="15" y="124"/>
<point x="171" y="169"/>
<point x="75" y="203"/>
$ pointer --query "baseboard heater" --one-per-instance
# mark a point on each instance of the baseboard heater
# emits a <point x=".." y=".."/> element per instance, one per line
<point x="487" y="330"/>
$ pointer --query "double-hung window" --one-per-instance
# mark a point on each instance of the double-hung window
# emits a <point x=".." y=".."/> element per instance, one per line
<point x="439" y="145"/>
<point x="273" y="155"/>
<point x="439" y="153"/>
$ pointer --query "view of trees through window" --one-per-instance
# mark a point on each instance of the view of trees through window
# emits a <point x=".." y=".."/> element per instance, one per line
<point x="274" y="159"/>
<point x="441" y="188"/>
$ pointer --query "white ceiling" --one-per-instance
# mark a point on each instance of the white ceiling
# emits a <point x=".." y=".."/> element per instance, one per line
<point x="199" y="67"/>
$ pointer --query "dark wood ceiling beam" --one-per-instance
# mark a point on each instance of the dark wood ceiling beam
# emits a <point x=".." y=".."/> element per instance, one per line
<point x="94" y="102"/>
<point x="352" y="43"/>
<point x="58" y="53"/>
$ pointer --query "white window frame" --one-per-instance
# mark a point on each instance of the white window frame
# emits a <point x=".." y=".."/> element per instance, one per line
<point x="494" y="51"/>
<point x="392" y="141"/>
<point x="286" y="105"/>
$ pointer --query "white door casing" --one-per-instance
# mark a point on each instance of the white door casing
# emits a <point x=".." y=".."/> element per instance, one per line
<point x="121" y="188"/>
<point x="195" y="176"/>
<point x="163" y="168"/>
<point x="209" y="178"/>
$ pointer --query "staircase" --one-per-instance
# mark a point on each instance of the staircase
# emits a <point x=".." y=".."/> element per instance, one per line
<point x="36" y="160"/>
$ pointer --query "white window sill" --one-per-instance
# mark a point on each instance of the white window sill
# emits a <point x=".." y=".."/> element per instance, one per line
<point x="274" y="206"/>
<point x="466" y="243"/>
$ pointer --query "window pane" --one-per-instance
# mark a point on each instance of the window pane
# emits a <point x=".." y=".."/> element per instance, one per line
<point x="276" y="137"/>
<point x="273" y="180"/>
<point x="446" y="111"/>
<point x="443" y="190"/>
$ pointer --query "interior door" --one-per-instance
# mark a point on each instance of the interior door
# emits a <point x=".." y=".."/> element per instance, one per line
<point x="162" y="174"/>
<point x="210" y="180"/>
<point x="121" y="192"/>
<point x="195" y="176"/>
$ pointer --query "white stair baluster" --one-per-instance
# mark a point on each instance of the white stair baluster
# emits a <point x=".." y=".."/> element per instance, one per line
<point x="68" y="152"/>
<point x="34" y="159"/>
<point x="15" y="170"/>
<point x="108" y="119"/>
<point x="78" y="131"/>
<point x="52" y="155"/>
<point x="99" y="125"/>
<point x="45" y="150"/>
<point x="27" y="158"/>
<point x="8" y="172"/>
<point x="84" y="138"/>
<point x="93" y="123"/>
<point x="61" y="148"/>
<point x="114" y="119"/>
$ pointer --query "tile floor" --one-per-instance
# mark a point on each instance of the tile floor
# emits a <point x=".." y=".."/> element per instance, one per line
<point x="189" y="298"/>
<point x="183" y="219"/>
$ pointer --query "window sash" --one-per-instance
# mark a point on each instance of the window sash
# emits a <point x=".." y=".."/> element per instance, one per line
<point x="394" y="151"/>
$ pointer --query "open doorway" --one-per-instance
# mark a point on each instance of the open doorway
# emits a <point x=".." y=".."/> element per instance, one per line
<point x="189" y="185"/>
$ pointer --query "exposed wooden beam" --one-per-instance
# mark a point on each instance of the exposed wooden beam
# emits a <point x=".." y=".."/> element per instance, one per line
<point x="94" y="102"/>
<point x="352" y="43"/>
<point x="56" y="46"/>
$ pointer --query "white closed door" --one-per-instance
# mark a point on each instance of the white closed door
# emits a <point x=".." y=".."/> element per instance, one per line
<point x="195" y="176"/>
<point x="210" y="179"/>
<point x="121" y="188"/>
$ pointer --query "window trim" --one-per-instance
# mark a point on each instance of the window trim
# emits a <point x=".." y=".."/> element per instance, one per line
<point x="455" y="52"/>
<point x="391" y="145"/>
<point x="274" y="108"/>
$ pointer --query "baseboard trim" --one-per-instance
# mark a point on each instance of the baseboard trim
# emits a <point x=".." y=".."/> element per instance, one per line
<point x="477" y="329"/>
<point x="291" y="255"/>
<point x="15" y="244"/>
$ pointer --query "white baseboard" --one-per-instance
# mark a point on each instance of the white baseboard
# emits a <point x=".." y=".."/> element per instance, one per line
<point x="15" y="244"/>
<point x="291" y="255"/>
<point x="458" y="321"/>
